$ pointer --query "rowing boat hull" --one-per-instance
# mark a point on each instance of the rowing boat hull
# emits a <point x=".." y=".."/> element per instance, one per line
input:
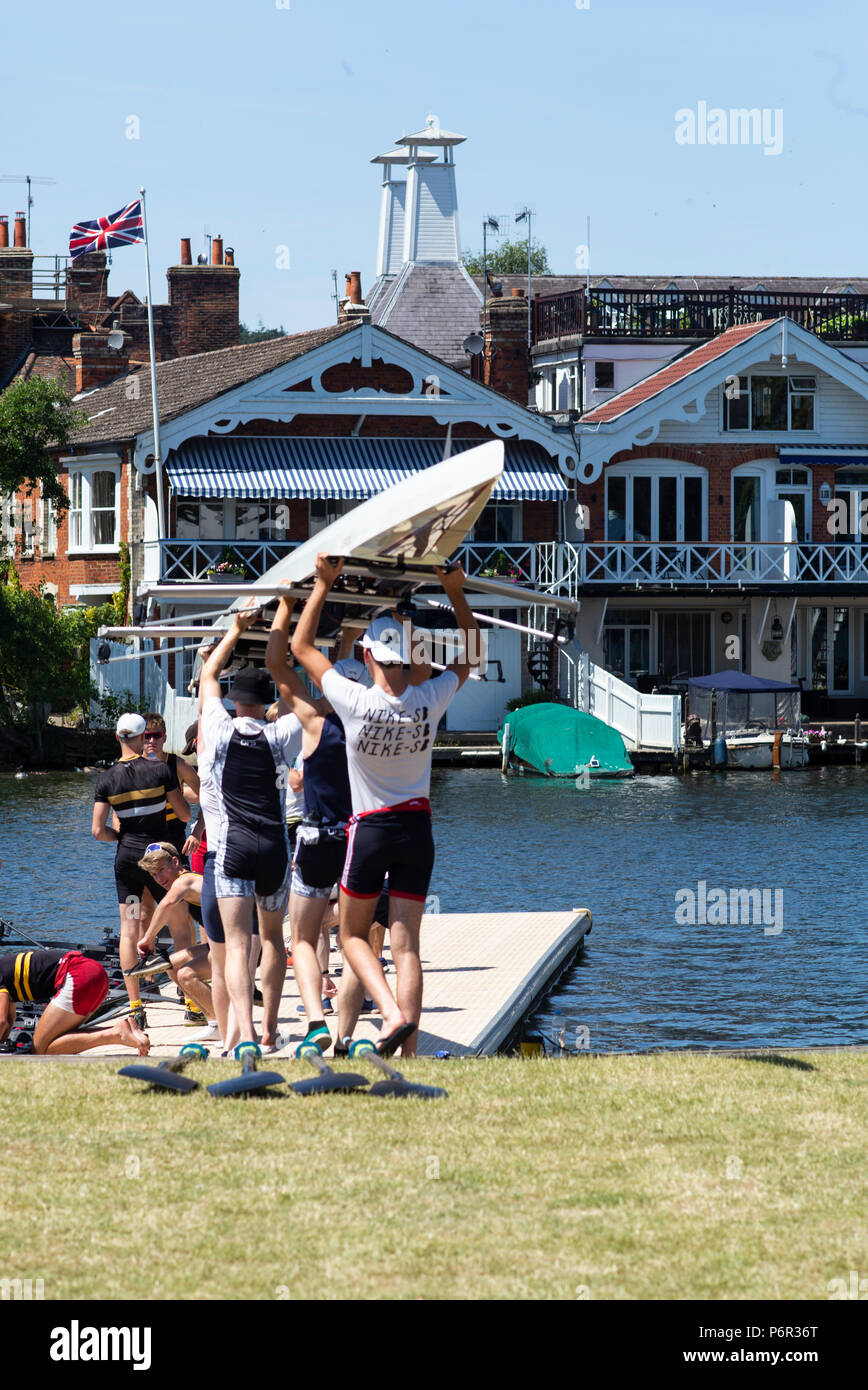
<point x="419" y="522"/>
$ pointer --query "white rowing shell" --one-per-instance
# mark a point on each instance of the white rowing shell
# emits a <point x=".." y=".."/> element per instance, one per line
<point x="421" y="520"/>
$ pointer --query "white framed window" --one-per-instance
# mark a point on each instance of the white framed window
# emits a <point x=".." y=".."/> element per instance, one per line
<point x="26" y="527"/>
<point x="265" y="520"/>
<point x="7" y="524"/>
<point x="94" y="503"/>
<point x="47" y="528"/>
<point x="201" y="519"/>
<point x="604" y="376"/>
<point x="499" y="522"/>
<point x="325" y="510"/>
<point x="766" y="402"/>
<point x="659" y="503"/>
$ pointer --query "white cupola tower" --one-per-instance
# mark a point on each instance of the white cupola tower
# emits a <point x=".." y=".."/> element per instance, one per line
<point x="419" y="211"/>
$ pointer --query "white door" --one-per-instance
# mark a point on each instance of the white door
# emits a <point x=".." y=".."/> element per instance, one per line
<point x="480" y="705"/>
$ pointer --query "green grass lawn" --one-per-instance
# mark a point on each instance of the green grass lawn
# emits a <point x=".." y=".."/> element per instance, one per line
<point x="664" y="1177"/>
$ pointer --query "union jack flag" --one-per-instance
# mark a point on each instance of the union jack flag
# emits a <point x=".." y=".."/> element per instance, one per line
<point x="118" y="229"/>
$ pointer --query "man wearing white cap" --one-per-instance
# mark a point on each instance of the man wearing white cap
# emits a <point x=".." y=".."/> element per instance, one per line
<point x="390" y="732"/>
<point x="137" y="790"/>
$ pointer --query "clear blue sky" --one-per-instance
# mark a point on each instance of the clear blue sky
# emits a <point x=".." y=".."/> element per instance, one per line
<point x="259" y="122"/>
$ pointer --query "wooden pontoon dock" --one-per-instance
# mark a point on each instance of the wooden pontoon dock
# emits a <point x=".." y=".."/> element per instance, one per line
<point x="484" y="972"/>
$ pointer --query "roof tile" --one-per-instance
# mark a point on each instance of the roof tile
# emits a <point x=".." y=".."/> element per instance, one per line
<point x="186" y="382"/>
<point x="673" y="372"/>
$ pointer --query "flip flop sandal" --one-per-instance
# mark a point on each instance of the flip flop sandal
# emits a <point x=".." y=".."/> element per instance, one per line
<point x="390" y="1044"/>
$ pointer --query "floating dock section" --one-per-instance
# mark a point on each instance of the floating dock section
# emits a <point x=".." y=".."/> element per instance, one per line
<point x="484" y="972"/>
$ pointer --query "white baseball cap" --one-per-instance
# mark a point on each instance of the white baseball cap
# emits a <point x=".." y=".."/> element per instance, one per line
<point x="386" y="642"/>
<point x="131" y="725"/>
<point x="353" y="670"/>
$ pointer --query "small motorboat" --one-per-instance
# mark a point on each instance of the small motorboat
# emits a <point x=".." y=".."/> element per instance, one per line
<point x="751" y="723"/>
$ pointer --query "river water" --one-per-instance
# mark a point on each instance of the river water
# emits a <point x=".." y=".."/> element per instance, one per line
<point x="636" y="853"/>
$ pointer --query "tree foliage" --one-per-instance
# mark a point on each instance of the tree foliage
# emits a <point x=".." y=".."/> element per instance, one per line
<point x="259" y="334"/>
<point x="35" y="416"/>
<point x="43" y="657"/>
<point x="510" y="258"/>
<point x="45" y="654"/>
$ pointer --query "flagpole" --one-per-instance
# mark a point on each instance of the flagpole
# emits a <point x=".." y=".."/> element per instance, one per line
<point x="158" y="460"/>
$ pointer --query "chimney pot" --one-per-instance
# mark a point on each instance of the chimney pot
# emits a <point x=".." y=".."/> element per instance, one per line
<point x="518" y="294"/>
<point x="20" y="229"/>
<point x="4" y="230"/>
<point x="230" y="255"/>
<point x="354" y="287"/>
<point x="217" y="251"/>
<point x="186" y="253"/>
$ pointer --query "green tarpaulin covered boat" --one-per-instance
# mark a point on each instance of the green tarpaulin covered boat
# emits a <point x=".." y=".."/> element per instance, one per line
<point x="559" y="741"/>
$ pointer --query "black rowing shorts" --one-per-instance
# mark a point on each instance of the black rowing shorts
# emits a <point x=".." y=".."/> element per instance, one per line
<point x="211" y="919"/>
<point x="252" y="865"/>
<point x="397" y="843"/>
<point x="130" y="880"/>
<point x="319" y="860"/>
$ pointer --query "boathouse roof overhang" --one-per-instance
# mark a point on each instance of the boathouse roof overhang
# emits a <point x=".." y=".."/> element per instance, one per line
<point x="678" y="392"/>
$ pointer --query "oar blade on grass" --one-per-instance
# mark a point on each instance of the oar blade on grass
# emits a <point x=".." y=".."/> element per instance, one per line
<point x="399" y="1088"/>
<point x="165" y="1076"/>
<point x="249" y="1082"/>
<point x="329" y="1081"/>
<point x="159" y="1077"/>
<point x="395" y="1084"/>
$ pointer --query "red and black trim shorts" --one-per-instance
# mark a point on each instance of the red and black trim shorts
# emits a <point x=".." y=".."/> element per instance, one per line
<point x="397" y="841"/>
<point x="81" y="984"/>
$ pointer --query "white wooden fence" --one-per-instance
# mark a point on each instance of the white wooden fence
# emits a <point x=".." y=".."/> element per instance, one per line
<point x="643" y="721"/>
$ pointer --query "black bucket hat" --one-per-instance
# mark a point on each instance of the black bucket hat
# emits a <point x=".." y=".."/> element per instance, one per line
<point x="252" y="685"/>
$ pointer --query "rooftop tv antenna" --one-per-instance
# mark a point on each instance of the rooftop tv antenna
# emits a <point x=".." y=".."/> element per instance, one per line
<point x="29" y="179"/>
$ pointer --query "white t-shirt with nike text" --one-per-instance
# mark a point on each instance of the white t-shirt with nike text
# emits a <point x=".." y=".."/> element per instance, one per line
<point x="389" y="737"/>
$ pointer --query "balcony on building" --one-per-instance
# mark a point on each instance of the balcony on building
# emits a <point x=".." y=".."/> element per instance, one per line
<point x="583" y="314"/>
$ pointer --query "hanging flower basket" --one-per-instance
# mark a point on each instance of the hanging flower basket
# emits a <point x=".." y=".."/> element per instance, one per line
<point x="226" y="571"/>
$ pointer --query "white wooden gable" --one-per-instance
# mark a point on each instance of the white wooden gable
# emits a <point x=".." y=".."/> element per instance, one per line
<point x="437" y="392"/>
<point x="695" y="395"/>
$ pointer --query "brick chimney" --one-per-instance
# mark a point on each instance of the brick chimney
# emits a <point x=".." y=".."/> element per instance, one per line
<point x="95" y="361"/>
<point x="506" y="362"/>
<point x="87" y="283"/>
<point x="353" y="308"/>
<point x="203" y="302"/>
<point x="16" y="285"/>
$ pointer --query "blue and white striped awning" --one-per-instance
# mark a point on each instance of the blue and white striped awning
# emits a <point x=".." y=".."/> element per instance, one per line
<point x="347" y="468"/>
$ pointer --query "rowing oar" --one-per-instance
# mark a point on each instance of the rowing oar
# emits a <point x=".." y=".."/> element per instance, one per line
<point x="250" y="1080"/>
<point x="327" y="1080"/>
<point x="395" y="1084"/>
<point x="165" y="1076"/>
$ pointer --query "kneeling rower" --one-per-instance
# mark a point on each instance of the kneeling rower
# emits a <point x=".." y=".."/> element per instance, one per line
<point x="71" y="986"/>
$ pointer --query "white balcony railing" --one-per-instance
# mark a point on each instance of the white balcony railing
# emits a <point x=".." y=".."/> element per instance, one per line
<point x="730" y="563"/>
<point x="191" y="559"/>
<point x="561" y="567"/>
